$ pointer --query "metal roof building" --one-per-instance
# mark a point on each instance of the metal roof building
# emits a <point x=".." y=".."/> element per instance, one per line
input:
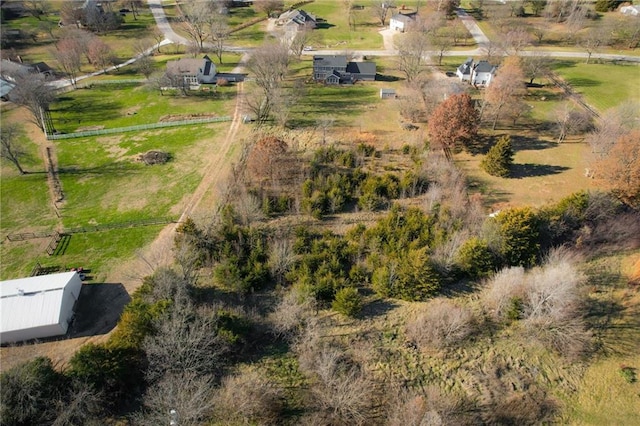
<point x="37" y="307"/>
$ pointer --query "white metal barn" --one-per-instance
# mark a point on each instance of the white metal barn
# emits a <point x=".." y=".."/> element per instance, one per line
<point x="37" y="307"/>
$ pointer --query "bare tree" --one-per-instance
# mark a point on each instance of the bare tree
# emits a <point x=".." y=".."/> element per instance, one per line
<point x="188" y="394"/>
<point x="83" y="405"/>
<point x="440" y="324"/>
<point x="536" y="65"/>
<point x="428" y="406"/>
<point x="145" y="66"/>
<point x="268" y="7"/>
<point x="442" y="44"/>
<point x="37" y="8"/>
<point x="515" y="40"/>
<point x="592" y="40"/>
<point x="570" y="120"/>
<point x="412" y="47"/>
<point x="185" y="342"/>
<point x="100" y="54"/>
<point x="70" y="14"/>
<point x="302" y="38"/>
<point x="33" y="92"/>
<point x="381" y="10"/>
<point x="503" y="290"/>
<point x="69" y="54"/>
<point x="293" y="312"/>
<point x="249" y="398"/>
<point x="506" y="90"/>
<point x="197" y="18"/>
<point x="11" y="147"/>
<point x="269" y="66"/>
<point x="219" y="33"/>
<point x="342" y="392"/>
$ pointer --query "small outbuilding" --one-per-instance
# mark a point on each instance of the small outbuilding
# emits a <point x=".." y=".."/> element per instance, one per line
<point x="38" y="307"/>
<point x="387" y="93"/>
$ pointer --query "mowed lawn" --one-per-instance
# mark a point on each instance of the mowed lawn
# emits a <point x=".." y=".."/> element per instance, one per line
<point x="543" y="172"/>
<point x="110" y="105"/>
<point x="104" y="182"/>
<point x="603" y="85"/>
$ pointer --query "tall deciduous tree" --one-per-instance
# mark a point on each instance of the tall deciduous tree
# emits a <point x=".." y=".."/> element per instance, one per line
<point x="454" y="122"/>
<point x="10" y="147"/>
<point x="381" y="10"/>
<point x="536" y="65"/>
<point x="219" y="34"/>
<point x="99" y="53"/>
<point x="506" y="90"/>
<point x="269" y="66"/>
<point x="412" y="47"/>
<point x="268" y="6"/>
<point x="33" y="92"/>
<point x="619" y="170"/>
<point x="197" y="18"/>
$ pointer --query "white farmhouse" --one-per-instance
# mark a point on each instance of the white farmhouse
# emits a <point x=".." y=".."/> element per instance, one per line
<point x="476" y="73"/>
<point x="37" y="307"/>
<point x="193" y="71"/>
<point x="401" y="22"/>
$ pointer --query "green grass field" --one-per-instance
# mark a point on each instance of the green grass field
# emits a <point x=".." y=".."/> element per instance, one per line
<point x="109" y="106"/>
<point x="603" y="85"/>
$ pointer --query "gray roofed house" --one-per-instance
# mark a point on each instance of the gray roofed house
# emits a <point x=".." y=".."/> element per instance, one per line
<point x="334" y="69"/>
<point x="297" y="18"/>
<point x="477" y="73"/>
<point x="193" y="71"/>
<point x="5" y="88"/>
<point x="464" y="71"/>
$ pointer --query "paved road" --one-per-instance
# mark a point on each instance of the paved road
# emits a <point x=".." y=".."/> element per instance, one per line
<point x="163" y="24"/>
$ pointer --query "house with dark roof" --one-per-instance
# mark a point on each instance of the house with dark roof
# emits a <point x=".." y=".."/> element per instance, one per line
<point x="193" y="71"/>
<point x="297" y="19"/>
<point x="10" y="68"/>
<point x="335" y="69"/>
<point x="478" y="73"/>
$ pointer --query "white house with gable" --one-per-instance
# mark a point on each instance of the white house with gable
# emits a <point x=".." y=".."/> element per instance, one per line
<point x="37" y="307"/>
<point x="401" y="22"/>
<point x="478" y="73"/>
<point x="193" y="71"/>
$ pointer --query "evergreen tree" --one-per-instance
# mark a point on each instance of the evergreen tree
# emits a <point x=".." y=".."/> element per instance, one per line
<point x="499" y="159"/>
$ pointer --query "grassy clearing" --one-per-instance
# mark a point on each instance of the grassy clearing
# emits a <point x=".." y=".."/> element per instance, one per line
<point x="107" y="106"/>
<point x="603" y="85"/>
<point x="97" y="251"/>
<point x="545" y="172"/>
<point x="104" y="183"/>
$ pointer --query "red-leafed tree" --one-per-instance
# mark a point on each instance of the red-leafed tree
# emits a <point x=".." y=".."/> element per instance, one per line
<point x="619" y="169"/>
<point x="453" y="123"/>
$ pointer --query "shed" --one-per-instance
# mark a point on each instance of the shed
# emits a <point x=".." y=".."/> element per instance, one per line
<point x="37" y="307"/>
<point x="387" y="93"/>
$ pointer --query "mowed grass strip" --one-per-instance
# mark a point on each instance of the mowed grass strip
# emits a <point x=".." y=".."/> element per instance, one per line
<point x="109" y="106"/>
<point x="603" y="85"/>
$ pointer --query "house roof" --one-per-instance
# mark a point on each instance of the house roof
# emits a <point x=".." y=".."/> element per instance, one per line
<point x="406" y="18"/>
<point x="5" y="87"/>
<point x="11" y="67"/>
<point x="191" y="66"/>
<point x="484" y="66"/>
<point x="337" y="61"/>
<point x="296" y="16"/>
<point x="361" y="67"/>
<point x="33" y="302"/>
<point x="465" y="68"/>
<point x="630" y="10"/>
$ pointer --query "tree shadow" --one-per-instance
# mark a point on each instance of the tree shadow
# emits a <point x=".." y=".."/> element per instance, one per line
<point x="519" y="171"/>
<point x="583" y="82"/>
<point x="377" y="308"/>
<point x="98" y="309"/>
<point x="524" y="143"/>
<point x="105" y="169"/>
<point x="490" y="195"/>
<point x="383" y="77"/>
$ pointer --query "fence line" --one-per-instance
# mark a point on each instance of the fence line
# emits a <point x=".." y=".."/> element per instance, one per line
<point x="84" y="229"/>
<point x="137" y="128"/>
<point x="105" y="82"/>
